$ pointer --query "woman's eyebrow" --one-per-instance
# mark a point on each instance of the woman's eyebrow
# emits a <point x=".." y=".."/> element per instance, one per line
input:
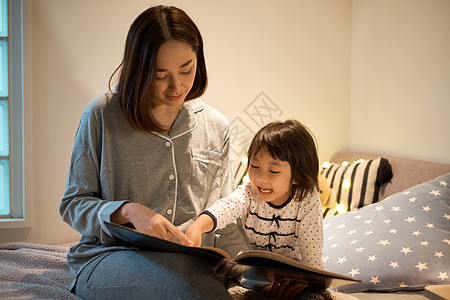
<point x="182" y="66"/>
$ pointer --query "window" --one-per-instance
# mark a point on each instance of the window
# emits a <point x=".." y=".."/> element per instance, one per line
<point x="4" y="118"/>
<point x="12" y="201"/>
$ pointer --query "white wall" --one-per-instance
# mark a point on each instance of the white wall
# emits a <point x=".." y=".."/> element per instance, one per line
<point x="400" y="78"/>
<point x="295" y="52"/>
<point x="299" y="54"/>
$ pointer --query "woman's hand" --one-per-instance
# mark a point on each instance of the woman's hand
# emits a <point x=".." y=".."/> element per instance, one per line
<point x="147" y="221"/>
<point x="224" y="267"/>
<point x="284" y="289"/>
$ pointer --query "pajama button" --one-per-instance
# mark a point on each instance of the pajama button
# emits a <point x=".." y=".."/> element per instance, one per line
<point x="169" y="211"/>
<point x="168" y="144"/>
<point x="171" y="177"/>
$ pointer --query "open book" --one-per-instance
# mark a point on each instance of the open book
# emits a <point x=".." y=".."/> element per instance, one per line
<point x="256" y="268"/>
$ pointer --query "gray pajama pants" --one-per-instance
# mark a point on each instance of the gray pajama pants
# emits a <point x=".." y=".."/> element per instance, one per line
<point x="135" y="275"/>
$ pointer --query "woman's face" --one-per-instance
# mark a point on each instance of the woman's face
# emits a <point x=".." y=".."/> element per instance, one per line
<point x="176" y="64"/>
<point x="270" y="177"/>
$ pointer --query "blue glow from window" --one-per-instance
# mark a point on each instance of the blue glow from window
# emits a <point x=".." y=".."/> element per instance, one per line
<point x="3" y="18"/>
<point x="4" y="187"/>
<point x="4" y="138"/>
<point x="3" y="69"/>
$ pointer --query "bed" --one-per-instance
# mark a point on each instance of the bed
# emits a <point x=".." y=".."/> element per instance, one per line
<point x="396" y="241"/>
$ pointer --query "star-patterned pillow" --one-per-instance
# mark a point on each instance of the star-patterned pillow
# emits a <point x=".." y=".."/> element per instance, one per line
<point x="400" y="243"/>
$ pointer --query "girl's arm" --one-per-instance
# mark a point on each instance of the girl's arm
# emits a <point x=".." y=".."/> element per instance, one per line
<point x="221" y="213"/>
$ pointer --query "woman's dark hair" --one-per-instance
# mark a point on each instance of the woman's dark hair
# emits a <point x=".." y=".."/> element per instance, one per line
<point x="151" y="29"/>
<point x="294" y="143"/>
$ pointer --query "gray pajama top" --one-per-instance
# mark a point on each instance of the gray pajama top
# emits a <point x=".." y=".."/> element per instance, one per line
<point x="177" y="174"/>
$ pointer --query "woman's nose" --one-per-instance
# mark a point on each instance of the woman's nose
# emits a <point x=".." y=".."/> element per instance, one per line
<point x="174" y="83"/>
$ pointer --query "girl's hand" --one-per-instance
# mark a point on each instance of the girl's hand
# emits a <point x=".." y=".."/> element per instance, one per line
<point x="147" y="221"/>
<point x="194" y="234"/>
<point x="204" y="223"/>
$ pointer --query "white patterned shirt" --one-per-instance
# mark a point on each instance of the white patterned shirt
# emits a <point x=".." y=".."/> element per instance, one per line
<point x="293" y="229"/>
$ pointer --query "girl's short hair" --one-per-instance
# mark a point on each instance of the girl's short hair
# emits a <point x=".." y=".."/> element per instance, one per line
<point x="294" y="143"/>
<point x="151" y="29"/>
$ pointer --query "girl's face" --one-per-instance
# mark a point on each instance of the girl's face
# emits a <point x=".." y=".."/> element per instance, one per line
<point x="271" y="178"/>
<point x="176" y="64"/>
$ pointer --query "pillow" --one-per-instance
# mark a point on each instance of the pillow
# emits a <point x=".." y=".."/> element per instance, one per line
<point x="400" y="243"/>
<point x="357" y="184"/>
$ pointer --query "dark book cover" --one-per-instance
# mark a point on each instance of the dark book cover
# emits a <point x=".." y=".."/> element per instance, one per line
<point x="256" y="268"/>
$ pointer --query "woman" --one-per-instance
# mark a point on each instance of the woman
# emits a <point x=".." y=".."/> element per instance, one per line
<point x="152" y="154"/>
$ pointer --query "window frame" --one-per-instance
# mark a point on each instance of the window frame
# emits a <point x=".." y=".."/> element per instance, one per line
<point x="19" y="117"/>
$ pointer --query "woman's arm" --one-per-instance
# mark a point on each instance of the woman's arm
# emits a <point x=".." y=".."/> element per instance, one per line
<point x="90" y="196"/>
<point x="82" y="203"/>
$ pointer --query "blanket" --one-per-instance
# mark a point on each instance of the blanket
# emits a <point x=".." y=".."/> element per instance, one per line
<point x="34" y="271"/>
<point x="39" y="271"/>
<point x="240" y="293"/>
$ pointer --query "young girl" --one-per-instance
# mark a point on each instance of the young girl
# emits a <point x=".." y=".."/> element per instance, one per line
<point x="280" y="207"/>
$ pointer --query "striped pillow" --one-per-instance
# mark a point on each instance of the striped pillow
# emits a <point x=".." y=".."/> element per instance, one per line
<point x="356" y="184"/>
